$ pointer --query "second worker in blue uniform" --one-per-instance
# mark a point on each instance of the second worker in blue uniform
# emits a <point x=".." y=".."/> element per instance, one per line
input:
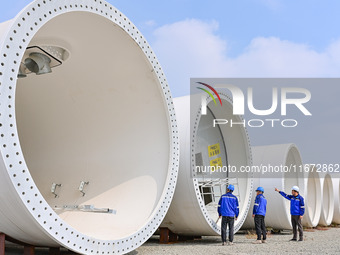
<point x="259" y="213"/>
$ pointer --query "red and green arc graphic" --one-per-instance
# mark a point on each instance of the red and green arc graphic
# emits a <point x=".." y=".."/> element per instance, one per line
<point x="212" y="89"/>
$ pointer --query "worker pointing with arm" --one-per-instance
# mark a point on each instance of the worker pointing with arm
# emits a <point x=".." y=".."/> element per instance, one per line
<point x="259" y="213"/>
<point x="297" y="210"/>
<point x="228" y="209"/>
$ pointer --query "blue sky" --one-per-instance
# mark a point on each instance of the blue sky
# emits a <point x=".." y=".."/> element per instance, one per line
<point x="312" y="22"/>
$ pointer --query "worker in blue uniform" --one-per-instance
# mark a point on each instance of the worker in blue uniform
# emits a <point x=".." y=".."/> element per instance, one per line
<point x="297" y="210"/>
<point x="228" y="209"/>
<point x="259" y="213"/>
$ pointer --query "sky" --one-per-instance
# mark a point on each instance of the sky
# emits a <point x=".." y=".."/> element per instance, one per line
<point x="229" y="38"/>
<point x="235" y="38"/>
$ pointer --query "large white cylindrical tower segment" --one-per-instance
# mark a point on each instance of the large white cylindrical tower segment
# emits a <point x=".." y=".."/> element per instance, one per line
<point x="267" y="159"/>
<point x="89" y="148"/>
<point x="194" y="207"/>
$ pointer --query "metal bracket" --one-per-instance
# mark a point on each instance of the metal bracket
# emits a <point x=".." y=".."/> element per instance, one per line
<point x="85" y="208"/>
<point x="54" y="188"/>
<point x="82" y="186"/>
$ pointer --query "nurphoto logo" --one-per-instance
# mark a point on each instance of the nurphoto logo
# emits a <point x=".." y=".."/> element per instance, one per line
<point x="279" y="102"/>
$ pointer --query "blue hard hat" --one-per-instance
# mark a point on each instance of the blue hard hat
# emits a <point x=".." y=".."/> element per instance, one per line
<point x="231" y="187"/>
<point x="260" y="189"/>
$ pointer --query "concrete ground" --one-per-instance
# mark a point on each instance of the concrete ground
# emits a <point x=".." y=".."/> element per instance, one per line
<point x="317" y="241"/>
<point x="326" y="241"/>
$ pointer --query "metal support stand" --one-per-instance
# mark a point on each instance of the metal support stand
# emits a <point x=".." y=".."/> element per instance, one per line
<point x="2" y="243"/>
<point x="28" y="248"/>
<point x="167" y="236"/>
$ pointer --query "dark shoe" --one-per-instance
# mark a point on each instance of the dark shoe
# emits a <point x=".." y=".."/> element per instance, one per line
<point x="293" y="239"/>
<point x="301" y="239"/>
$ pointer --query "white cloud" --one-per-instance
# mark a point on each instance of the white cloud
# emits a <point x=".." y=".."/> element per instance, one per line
<point x="192" y="48"/>
<point x="273" y="57"/>
<point x="271" y="4"/>
<point x="187" y="49"/>
<point x="150" y="23"/>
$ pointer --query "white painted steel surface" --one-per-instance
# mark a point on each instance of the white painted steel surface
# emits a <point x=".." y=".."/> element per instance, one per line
<point x="278" y="208"/>
<point x="327" y="205"/>
<point x="313" y="197"/>
<point x="105" y="117"/>
<point x="336" y="189"/>
<point x="188" y="214"/>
